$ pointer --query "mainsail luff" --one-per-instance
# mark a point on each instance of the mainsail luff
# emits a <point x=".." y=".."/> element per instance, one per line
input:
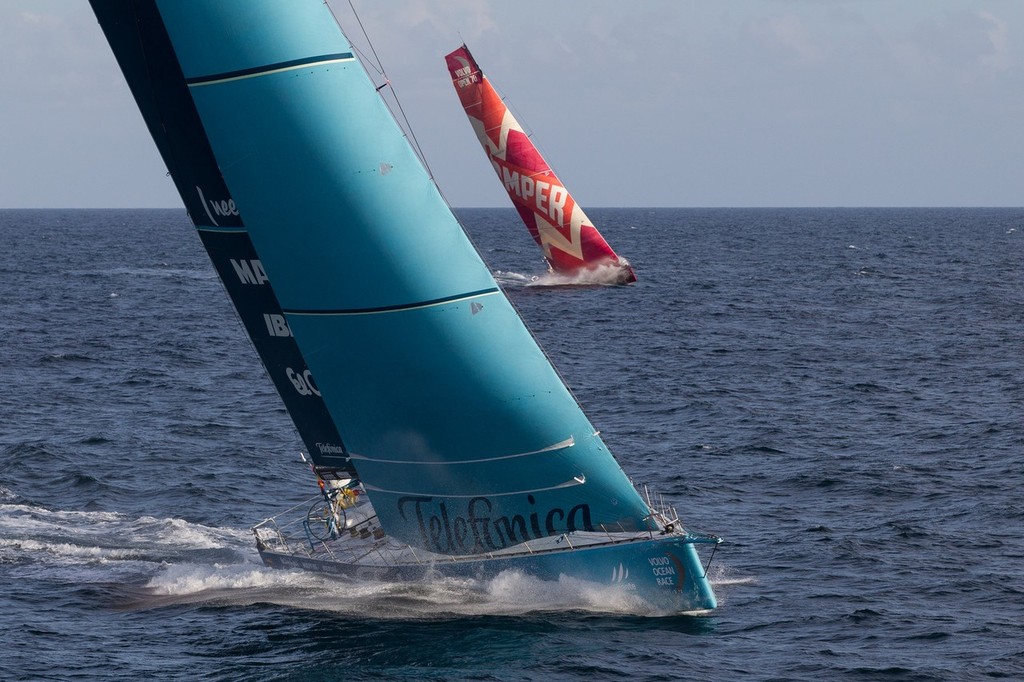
<point x="140" y="44"/>
<point x="565" y="234"/>
<point x="465" y="438"/>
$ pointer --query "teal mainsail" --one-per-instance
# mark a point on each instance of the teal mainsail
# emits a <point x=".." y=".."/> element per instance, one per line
<point x="464" y="436"/>
<point x="475" y="456"/>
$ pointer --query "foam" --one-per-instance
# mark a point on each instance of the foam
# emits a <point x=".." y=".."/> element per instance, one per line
<point x="508" y="278"/>
<point x="194" y="579"/>
<point x="66" y="550"/>
<point x="516" y="593"/>
<point x="77" y="538"/>
<point x="511" y="593"/>
<point x="601" y="275"/>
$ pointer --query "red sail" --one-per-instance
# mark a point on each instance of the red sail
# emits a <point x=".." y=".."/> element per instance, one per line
<point x="570" y="242"/>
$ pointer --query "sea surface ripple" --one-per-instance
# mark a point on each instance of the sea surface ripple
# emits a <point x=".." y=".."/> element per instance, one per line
<point x="837" y="392"/>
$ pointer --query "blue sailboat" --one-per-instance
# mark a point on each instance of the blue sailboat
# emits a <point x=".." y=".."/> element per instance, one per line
<point x="454" y="447"/>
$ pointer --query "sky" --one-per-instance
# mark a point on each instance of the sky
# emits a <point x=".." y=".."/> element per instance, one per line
<point x="651" y="103"/>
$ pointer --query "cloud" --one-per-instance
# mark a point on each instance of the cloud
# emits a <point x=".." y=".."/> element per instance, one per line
<point x="790" y="35"/>
<point x="999" y="37"/>
<point x="706" y="103"/>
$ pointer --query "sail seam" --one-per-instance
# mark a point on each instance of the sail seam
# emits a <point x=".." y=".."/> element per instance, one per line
<point x="267" y="69"/>
<point x="567" y="443"/>
<point x="568" y="484"/>
<point x="396" y="308"/>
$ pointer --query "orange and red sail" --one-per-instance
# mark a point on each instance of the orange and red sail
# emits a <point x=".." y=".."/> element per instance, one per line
<point x="569" y="240"/>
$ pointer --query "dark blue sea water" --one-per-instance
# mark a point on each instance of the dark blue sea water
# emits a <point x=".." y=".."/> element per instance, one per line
<point x="837" y="392"/>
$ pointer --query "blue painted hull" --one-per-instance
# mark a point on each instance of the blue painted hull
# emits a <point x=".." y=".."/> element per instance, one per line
<point x="664" y="571"/>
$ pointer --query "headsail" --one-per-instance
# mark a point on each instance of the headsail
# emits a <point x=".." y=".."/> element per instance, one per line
<point x="139" y="41"/>
<point x="565" y="234"/>
<point x="463" y="434"/>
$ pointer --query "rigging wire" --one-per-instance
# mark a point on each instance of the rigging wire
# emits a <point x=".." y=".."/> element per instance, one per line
<point x="375" y="63"/>
<point x="366" y="37"/>
<point x="411" y="136"/>
<point x="403" y="122"/>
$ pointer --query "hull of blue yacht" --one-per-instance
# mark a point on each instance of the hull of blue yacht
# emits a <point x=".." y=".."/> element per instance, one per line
<point x="665" y="571"/>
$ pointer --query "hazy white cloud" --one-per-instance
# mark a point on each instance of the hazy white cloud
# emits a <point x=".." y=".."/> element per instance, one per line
<point x="475" y="17"/>
<point x="662" y="102"/>
<point x="792" y="36"/>
<point x="999" y="38"/>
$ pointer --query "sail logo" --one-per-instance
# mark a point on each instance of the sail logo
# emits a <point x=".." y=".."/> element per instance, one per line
<point x="547" y="198"/>
<point x="663" y="570"/>
<point x="222" y="208"/>
<point x="465" y="77"/>
<point x="250" y="271"/>
<point x="478" y="531"/>
<point x="303" y="383"/>
<point x="277" y="325"/>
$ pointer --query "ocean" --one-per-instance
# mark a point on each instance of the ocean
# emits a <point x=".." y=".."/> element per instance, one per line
<point x="839" y="393"/>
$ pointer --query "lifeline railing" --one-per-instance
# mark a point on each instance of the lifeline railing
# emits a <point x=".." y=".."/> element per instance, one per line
<point x="350" y="541"/>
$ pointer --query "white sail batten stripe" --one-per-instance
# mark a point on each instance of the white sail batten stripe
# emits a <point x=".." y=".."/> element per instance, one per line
<point x="396" y="309"/>
<point x="567" y="443"/>
<point x="580" y="480"/>
<point x="268" y="72"/>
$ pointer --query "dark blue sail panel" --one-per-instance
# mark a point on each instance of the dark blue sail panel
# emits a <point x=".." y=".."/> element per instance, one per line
<point x="465" y="437"/>
<point x="249" y="287"/>
<point x="143" y="50"/>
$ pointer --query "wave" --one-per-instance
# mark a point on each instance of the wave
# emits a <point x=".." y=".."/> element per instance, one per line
<point x="510" y="593"/>
<point x="65" y="539"/>
<point x="600" y="276"/>
<point x="158" y="272"/>
<point x="513" y="279"/>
